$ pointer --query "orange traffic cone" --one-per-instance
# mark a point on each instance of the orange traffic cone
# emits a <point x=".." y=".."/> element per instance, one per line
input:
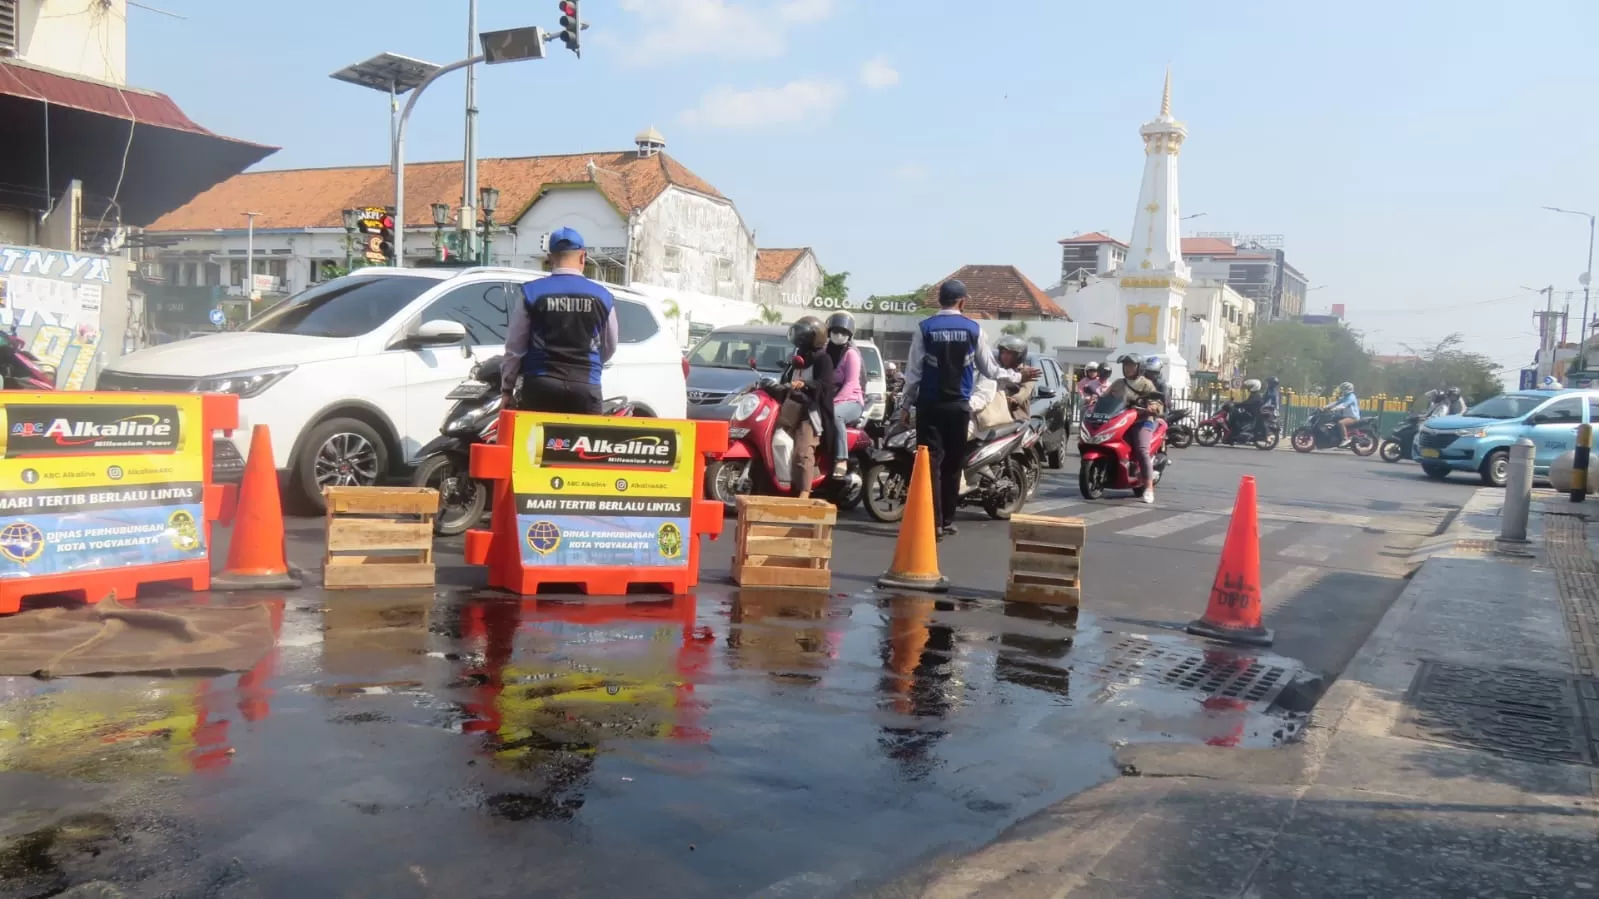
<point x="915" y="564"/>
<point x="1234" y="610"/>
<point x="257" y="557"/>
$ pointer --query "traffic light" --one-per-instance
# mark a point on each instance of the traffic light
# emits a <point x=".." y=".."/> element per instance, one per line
<point x="571" y="26"/>
<point x="386" y="235"/>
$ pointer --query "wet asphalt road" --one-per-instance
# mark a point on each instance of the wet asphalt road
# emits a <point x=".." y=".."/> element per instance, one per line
<point x="454" y="743"/>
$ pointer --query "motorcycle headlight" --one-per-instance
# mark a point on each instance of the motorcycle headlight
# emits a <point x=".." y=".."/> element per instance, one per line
<point x="244" y="384"/>
<point x="745" y="407"/>
<point x="474" y="418"/>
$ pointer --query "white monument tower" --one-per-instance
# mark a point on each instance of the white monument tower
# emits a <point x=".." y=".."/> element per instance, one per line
<point x="1154" y="278"/>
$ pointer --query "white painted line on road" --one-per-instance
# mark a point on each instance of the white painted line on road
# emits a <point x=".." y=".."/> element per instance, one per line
<point x="1055" y="506"/>
<point x="1290" y="583"/>
<point x="1220" y="540"/>
<point x="1165" y="527"/>
<point x="1111" y="513"/>
<point x="1317" y="548"/>
<point x="1311" y="516"/>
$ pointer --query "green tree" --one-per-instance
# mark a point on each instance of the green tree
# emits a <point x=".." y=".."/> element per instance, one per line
<point x="1442" y="364"/>
<point x="1307" y="358"/>
<point x="917" y="296"/>
<point x="769" y="316"/>
<point x="835" y="285"/>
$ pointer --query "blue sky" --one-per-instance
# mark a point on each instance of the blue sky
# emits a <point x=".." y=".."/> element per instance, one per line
<point x="1402" y="148"/>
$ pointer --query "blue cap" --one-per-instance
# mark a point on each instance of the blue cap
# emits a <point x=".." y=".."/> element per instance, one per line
<point x="564" y="239"/>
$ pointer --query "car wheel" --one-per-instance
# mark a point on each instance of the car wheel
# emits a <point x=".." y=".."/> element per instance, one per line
<point x="1496" y="468"/>
<point x="1435" y="471"/>
<point x="341" y="452"/>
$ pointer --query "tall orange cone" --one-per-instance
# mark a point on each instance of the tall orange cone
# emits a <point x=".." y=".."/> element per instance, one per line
<point x="915" y="564"/>
<point x="1234" y="611"/>
<point x="257" y="555"/>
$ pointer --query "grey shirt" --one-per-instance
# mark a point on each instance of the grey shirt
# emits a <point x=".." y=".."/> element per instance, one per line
<point x="983" y="359"/>
<point x="519" y="333"/>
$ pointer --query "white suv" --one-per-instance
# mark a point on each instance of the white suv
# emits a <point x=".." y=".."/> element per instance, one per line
<point x="351" y="375"/>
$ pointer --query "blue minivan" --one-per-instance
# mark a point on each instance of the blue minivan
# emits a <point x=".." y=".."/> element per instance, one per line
<point x="1480" y="439"/>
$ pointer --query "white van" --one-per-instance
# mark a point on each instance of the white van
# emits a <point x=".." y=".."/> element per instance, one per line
<point x="351" y="375"/>
<point x="876" y="379"/>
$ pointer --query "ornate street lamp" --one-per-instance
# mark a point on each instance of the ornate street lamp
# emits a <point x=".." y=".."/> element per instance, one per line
<point x="441" y="217"/>
<point x="488" y="200"/>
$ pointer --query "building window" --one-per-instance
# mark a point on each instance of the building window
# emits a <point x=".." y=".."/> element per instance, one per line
<point x="671" y="259"/>
<point x="724" y="270"/>
<point x="8" y="27"/>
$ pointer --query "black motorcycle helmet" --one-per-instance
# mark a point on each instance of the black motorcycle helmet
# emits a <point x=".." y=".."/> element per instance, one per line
<point x="1272" y="382"/>
<point x="806" y="333"/>
<point x="1103" y="370"/>
<point x="841" y="321"/>
<point x="1452" y="392"/>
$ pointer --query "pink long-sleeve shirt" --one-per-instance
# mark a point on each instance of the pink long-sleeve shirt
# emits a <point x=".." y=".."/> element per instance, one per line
<point x="848" y="378"/>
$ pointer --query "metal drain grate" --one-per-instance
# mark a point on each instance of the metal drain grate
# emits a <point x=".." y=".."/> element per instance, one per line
<point x="1518" y="712"/>
<point x="1213" y="673"/>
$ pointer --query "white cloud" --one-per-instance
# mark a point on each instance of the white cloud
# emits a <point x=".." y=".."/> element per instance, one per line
<point x="796" y="101"/>
<point x="911" y="171"/>
<point x="678" y="28"/>
<point x="878" y="73"/>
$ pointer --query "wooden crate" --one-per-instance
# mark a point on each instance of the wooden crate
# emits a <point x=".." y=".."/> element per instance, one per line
<point x="1046" y="560"/>
<point x="379" y="537"/>
<point x="784" y="542"/>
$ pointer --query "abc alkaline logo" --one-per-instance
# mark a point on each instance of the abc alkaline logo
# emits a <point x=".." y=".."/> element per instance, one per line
<point x="588" y="446"/>
<point x="62" y="430"/>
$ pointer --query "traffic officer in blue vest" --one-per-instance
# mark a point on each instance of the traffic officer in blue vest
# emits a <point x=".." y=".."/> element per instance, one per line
<point x="939" y="375"/>
<point x="561" y="335"/>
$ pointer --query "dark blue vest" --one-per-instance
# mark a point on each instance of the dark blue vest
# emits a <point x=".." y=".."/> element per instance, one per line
<point x="568" y="314"/>
<point x="949" y="342"/>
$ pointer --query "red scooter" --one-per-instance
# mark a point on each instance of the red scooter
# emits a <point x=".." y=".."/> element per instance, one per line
<point x="1104" y="441"/>
<point x="19" y="370"/>
<point x="760" y="457"/>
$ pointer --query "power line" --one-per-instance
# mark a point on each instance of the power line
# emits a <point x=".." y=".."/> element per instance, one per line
<point x="1448" y="308"/>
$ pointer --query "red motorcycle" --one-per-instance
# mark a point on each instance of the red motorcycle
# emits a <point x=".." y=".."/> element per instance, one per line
<point x="759" y="456"/>
<point x="1104" y="442"/>
<point x="1219" y="429"/>
<point x="19" y="369"/>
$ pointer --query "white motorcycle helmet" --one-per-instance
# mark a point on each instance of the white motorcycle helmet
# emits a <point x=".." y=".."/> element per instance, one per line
<point x="1251" y="385"/>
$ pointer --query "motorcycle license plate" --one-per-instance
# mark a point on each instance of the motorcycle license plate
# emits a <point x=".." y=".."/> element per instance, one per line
<point x="1429" y="453"/>
<point x="470" y="390"/>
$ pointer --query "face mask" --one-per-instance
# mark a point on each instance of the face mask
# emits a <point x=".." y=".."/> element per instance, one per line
<point x="838" y="339"/>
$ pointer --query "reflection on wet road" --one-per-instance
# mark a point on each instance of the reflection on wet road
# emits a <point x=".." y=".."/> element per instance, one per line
<point x="410" y="745"/>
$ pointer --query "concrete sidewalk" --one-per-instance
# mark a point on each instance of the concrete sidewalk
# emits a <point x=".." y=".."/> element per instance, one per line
<point x="1456" y="757"/>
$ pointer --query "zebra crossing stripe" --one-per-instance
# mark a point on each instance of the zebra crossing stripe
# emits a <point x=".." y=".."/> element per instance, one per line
<point x="1320" y="550"/>
<point x="1052" y="507"/>
<point x="1111" y="513"/>
<point x="1220" y="540"/>
<point x="1167" y="526"/>
<point x="1290" y="583"/>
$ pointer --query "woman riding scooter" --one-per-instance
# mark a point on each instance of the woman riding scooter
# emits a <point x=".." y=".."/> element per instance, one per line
<point x="849" y="399"/>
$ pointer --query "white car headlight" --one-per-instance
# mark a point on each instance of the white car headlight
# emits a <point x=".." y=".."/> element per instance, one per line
<point x="745" y="407"/>
<point x="244" y="383"/>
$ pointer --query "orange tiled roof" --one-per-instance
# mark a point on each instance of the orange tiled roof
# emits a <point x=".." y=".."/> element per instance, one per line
<point x="1093" y="237"/>
<point x="1208" y="246"/>
<point x="772" y="265"/>
<point x="995" y="289"/>
<point x="317" y="198"/>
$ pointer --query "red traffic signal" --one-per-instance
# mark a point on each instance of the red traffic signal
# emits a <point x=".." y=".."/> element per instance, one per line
<point x="571" y="26"/>
<point x="568" y="8"/>
<point x="388" y="222"/>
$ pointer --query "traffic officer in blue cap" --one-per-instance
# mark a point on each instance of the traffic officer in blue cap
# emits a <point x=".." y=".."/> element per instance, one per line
<point x="561" y="335"/>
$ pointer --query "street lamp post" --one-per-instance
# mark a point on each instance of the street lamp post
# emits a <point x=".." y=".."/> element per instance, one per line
<point x="441" y="217"/>
<point x="249" y="265"/>
<point x="352" y="220"/>
<point x="489" y="200"/>
<point x="1587" y="276"/>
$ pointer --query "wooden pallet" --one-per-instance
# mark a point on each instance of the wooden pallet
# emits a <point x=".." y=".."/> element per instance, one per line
<point x="784" y="542"/>
<point x="379" y="537"/>
<point x="1046" y="560"/>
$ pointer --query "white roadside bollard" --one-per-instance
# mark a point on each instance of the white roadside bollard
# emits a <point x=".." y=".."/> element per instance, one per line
<point x="1518" y="493"/>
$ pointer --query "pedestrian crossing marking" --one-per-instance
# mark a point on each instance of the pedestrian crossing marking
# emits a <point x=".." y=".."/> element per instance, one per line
<point x="1220" y="540"/>
<point x="1167" y="526"/>
<point x="1318" y="551"/>
<point x="1288" y="584"/>
<point x="1311" y="516"/>
<point x="1111" y="513"/>
<point x="1046" y="508"/>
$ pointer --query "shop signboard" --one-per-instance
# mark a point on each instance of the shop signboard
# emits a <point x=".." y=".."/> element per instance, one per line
<point x="603" y="492"/>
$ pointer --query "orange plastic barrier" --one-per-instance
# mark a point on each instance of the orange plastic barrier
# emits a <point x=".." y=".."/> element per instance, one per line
<point x="102" y="493"/>
<point x="596" y="503"/>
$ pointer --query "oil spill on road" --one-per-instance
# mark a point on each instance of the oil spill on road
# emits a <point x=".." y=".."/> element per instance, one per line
<point x="699" y="745"/>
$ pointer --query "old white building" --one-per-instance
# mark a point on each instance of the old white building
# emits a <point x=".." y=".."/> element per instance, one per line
<point x="787" y="277"/>
<point x="645" y="217"/>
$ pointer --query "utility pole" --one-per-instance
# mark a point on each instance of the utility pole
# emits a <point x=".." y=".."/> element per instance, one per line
<point x="468" y="224"/>
<point x="1546" y="334"/>
<point x="249" y="266"/>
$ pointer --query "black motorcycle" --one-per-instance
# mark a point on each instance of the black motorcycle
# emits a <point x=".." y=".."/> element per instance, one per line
<point x="1179" y="430"/>
<point x="445" y="460"/>
<point x="1321" y="432"/>
<point x="1401" y="443"/>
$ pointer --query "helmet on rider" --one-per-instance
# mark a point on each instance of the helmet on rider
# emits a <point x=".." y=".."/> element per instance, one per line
<point x="840" y="327"/>
<point x="1103" y="370"/>
<point x="1015" y="347"/>
<point x="1345" y="387"/>
<point x="807" y="333"/>
<point x="1252" y="385"/>
<point x="1452" y="392"/>
<point x="1272" y="382"/>
<point x="1132" y="365"/>
<point x="1153" y="366"/>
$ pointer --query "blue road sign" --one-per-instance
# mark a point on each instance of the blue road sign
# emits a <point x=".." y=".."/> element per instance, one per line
<point x="217" y="317"/>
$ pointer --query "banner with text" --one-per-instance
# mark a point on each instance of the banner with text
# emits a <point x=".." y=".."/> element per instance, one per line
<point x="596" y="491"/>
<point x="90" y="482"/>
